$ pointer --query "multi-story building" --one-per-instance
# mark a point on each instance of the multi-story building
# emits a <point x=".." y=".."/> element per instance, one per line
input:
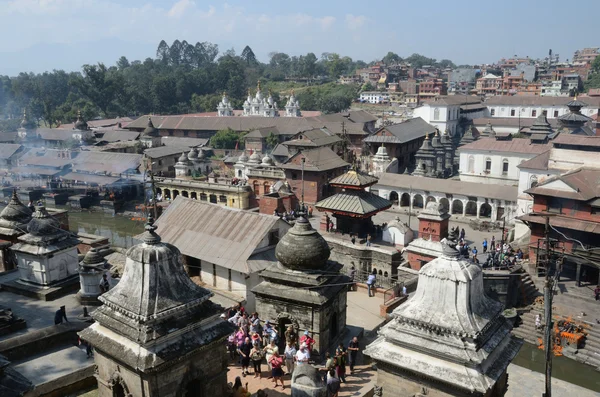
<point x="461" y="81"/>
<point x="374" y="96"/>
<point x="532" y="106"/>
<point x="432" y="88"/>
<point x="444" y="112"/>
<point x="585" y="56"/>
<point x="488" y="85"/>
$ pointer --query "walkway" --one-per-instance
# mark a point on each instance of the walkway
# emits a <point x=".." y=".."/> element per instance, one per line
<point x="524" y="382"/>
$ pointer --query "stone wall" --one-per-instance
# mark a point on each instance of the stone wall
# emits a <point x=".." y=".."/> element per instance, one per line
<point x="207" y="368"/>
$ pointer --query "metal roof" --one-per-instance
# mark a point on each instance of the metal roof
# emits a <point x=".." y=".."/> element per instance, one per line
<point x="316" y="137"/>
<point x="319" y="159"/>
<point x="164" y="151"/>
<point x="183" y="142"/>
<point x="54" y="134"/>
<point x="450" y="186"/>
<point x="524" y="100"/>
<point x="90" y="178"/>
<point x="7" y="150"/>
<point x="405" y="131"/>
<point x="356" y="202"/>
<point x="119" y="135"/>
<point x="584" y="183"/>
<point x="224" y="236"/>
<point x="106" y="162"/>
<point x="515" y="145"/>
<point x="34" y="170"/>
<point x="355" y="179"/>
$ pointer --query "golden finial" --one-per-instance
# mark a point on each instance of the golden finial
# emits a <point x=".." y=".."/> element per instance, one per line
<point x="427" y="136"/>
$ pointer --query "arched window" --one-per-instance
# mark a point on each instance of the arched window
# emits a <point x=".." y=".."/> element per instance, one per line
<point x="488" y="165"/>
<point x="533" y="182"/>
<point x="471" y="165"/>
<point x="504" y="166"/>
<point x="436" y="114"/>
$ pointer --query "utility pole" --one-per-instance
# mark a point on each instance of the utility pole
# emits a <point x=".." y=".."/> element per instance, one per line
<point x="302" y="176"/>
<point x="153" y="194"/>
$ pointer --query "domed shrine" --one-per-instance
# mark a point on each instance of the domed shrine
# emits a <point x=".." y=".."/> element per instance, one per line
<point x="304" y="288"/>
<point x="450" y="338"/>
<point x="46" y="257"/>
<point x="157" y="333"/>
<point x="13" y="223"/>
<point x="91" y="269"/>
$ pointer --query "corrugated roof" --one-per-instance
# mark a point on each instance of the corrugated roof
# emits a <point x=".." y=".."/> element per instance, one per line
<point x="8" y="149"/>
<point x="405" y="131"/>
<point x="316" y="137"/>
<point x="518" y="100"/>
<point x="584" y="182"/>
<point x="453" y="100"/>
<point x="539" y="162"/>
<point x="164" y="151"/>
<point x="8" y="136"/>
<point x="355" y="179"/>
<point x="224" y="236"/>
<point x="565" y="222"/>
<point x="578" y="140"/>
<point x="319" y="159"/>
<point x="90" y="178"/>
<point x="451" y="186"/>
<point x="47" y="158"/>
<point x="355" y="202"/>
<point x="34" y="171"/>
<point x="262" y="132"/>
<point x="119" y="135"/>
<point x="515" y="145"/>
<point x="183" y="142"/>
<point x="54" y="134"/>
<point x="111" y="163"/>
<point x="511" y="122"/>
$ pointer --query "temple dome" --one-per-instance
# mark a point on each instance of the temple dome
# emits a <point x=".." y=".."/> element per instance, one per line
<point x="201" y="154"/>
<point x="243" y="158"/>
<point x="15" y="212"/>
<point x="150" y="130"/>
<point x="255" y="158"/>
<point x="93" y="258"/>
<point x="80" y="124"/>
<point x="193" y="154"/>
<point x="183" y="158"/>
<point x="43" y="224"/>
<point x="267" y="160"/>
<point x="302" y="247"/>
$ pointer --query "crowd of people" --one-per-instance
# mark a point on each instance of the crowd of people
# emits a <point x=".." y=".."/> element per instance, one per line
<point x="256" y="344"/>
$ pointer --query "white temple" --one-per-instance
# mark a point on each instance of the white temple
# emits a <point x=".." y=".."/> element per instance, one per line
<point x="224" y="107"/>
<point x="292" y="107"/>
<point x="192" y="164"/>
<point x="450" y="338"/>
<point x="259" y="105"/>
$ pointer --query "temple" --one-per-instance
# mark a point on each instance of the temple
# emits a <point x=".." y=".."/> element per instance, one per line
<point x="354" y="207"/>
<point x="14" y="219"/>
<point x="574" y="121"/>
<point x="157" y="333"/>
<point x="259" y="105"/>
<point x="151" y="136"/>
<point x="304" y="288"/>
<point x="450" y="339"/>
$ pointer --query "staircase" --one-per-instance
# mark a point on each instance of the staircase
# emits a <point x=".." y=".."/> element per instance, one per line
<point x="528" y="290"/>
<point x="589" y="354"/>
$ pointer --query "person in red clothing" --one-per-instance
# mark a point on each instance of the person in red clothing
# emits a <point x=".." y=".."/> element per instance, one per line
<point x="276" y="362"/>
<point x="307" y="340"/>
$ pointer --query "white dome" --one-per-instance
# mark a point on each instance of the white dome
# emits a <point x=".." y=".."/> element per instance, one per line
<point x="255" y="158"/>
<point x="267" y="160"/>
<point x="243" y="158"/>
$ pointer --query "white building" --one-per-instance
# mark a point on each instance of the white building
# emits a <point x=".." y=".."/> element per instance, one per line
<point x="374" y="97"/>
<point x="224" y="107"/>
<point x="491" y="161"/>
<point x="259" y="105"/>
<point x="565" y="156"/>
<point x="225" y="247"/>
<point x="532" y="106"/>
<point x="444" y="112"/>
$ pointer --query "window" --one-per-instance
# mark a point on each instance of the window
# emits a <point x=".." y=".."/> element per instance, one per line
<point x="436" y="114"/>
<point x="222" y="199"/>
<point x="203" y="197"/>
<point x="294" y="176"/>
<point x="556" y="113"/>
<point x="186" y="133"/>
<point x="554" y="204"/>
<point x="214" y="275"/>
<point x="488" y="165"/>
<point x="256" y="188"/>
<point x="505" y="167"/>
<point x="512" y="112"/>
<point x="493" y="112"/>
<point x="171" y="133"/>
<point x="533" y="113"/>
<point x="471" y="167"/>
<point x="159" y="162"/>
<point x="213" y="198"/>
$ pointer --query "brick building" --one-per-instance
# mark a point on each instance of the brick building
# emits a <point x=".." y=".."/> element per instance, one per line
<point x="320" y="166"/>
<point x="573" y="201"/>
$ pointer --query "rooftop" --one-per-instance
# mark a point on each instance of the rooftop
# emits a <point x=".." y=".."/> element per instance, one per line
<point x="582" y="184"/>
<point x="354" y="201"/>
<point x="107" y="162"/>
<point x="515" y="145"/>
<point x="7" y="150"/>
<point x="405" y="131"/>
<point x="521" y="100"/>
<point x="354" y="179"/>
<point x="319" y="159"/>
<point x="451" y="186"/>
<point x="224" y="236"/>
<point x="316" y="137"/>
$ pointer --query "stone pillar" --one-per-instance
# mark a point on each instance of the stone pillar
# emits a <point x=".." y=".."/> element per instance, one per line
<point x="465" y="208"/>
<point x="478" y="206"/>
<point x="494" y="214"/>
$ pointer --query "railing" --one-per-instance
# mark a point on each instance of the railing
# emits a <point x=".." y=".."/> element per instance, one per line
<point x="361" y="276"/>
<point x="392" y="293"/>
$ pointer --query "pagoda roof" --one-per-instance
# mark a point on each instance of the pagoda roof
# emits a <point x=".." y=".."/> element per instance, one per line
<point x="354" y="180"/>
<point x="354" y="203"/>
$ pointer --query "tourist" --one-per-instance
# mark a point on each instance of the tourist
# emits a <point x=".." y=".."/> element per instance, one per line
<point x="244" y="322"/>
<point x="310" y="210"/>
<point x="333" y="384"/>
<point x="291" y="336"/>
<point x="371" y="282"/>
<point x="234" y="319"/>
<point x="329" y="365"/>
<point x="290" y="354"/>
<point x="368" y="240"/>
<point x="353" y="348"/>
<point x="341" y="354"/>
<point x="331" y="226"/>
<point x="352" y="275"/>
<point x="519" y="255"/>
<point x="269" y="334"/>
<point x="352" y="238"/>
<point x="404" y="291"/>
<point x="244" y="351"/>
<point x="231" y="346"/>
<point x="307" y="340"/>
<point x="238" y="389"/>
<point x="269" y="351"/>
<point x="255" y="324"/>
<point x="256" y="357"/>
<point x="493" y="242"/>
<point x="327" y="223"/>
<point x="276" y="362"/>
<point x="484" y="245"/>
<point x="462" y="233"/>
<point x="474" y="254"/>
<point x="538" y="322"/>
<point x="104" y="284"/>
<point x="597" y="292"/>
<point x="59" y="315"/>
<point x="302" y="355"/>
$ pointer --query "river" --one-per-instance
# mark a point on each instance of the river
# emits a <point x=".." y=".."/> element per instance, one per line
<point x="119" y="229"/>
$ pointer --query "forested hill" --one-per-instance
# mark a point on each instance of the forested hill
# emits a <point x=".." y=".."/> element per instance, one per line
<point x="182" y="78"/>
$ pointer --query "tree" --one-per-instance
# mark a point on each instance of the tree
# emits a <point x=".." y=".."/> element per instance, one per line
<point x="272" y="141"/>
<point x="418" y="60"/>
<point x="335" y="103"/>
<point x="309" y="65"/>
<point x="162" y="52"/>
<point x="98" y="86"/>
<point x="123" y="63"/>
<point x="391" y="58"/>
<point x="227" y="139"/>
<point x="446" y="63"/>
<point x="175" y="52"/>
<point x="248" y="56"/>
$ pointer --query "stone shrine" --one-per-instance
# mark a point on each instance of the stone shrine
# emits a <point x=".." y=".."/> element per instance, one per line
<point x="14" y="219"/>
<point x="433" y="227"/>
<point x="259" y="105"/>
<point x="304" y="288"/>
<point x="46" y="256"/>
<point x="157" y="333"/>
<point x="308" y="382"/>
<point x="91" y="269"/>
<point x="450" y="339"/>
<point x="151" y="136"/>
<point x="224" y="107"/>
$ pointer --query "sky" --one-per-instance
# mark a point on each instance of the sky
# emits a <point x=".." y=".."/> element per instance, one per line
<point x="42" y="35"/>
